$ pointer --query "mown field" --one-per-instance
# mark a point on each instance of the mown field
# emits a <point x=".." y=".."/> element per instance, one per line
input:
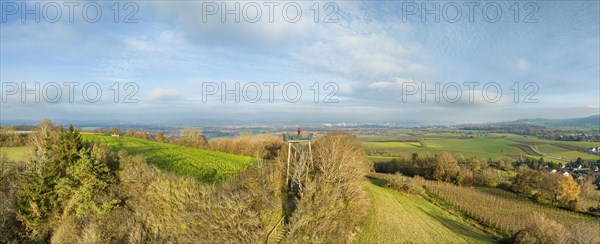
<point x="481" y="147"/>
<point x="506" y="211"/>
<point x="207" y="166"/>
<point x="496" y="146"/>
<point x="14" y="153"/>
<point x="397" y="217"/>
<point x="569" y="150"/>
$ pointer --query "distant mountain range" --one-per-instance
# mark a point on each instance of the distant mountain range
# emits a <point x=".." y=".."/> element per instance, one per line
<point x="591" y="122"/>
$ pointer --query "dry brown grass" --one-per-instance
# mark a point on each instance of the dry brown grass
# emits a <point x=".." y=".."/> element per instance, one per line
<point x="162" y="207"/>
<point x="543" y="230"/>
<point x="263" y="146"/>
<point x="334" y="201"/>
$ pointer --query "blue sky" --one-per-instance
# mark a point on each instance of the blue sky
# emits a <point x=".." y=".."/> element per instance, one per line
<point x="370" y="59"/>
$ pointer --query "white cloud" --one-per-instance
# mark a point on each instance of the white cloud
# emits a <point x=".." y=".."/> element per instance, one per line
<point x="380" y="85"/>
<point x="188" y="19"/>
<point x="396" y="84"/>
<point x="364" y="50"/>
<point x="164" y="94"/>
<point x="139" y="45"/>
<point x="523" y="65"/>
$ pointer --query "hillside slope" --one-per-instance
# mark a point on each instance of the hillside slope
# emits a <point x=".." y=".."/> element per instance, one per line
<point x="398" y="218"/>
<point x="205" y="165"/>
<point x="589" y="122"/>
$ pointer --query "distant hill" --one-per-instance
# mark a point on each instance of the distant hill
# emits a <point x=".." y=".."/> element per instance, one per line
<point x="588" y="122"/>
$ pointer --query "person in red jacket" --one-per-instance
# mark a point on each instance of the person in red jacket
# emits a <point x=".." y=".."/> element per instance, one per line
<point x="299" y="131"/>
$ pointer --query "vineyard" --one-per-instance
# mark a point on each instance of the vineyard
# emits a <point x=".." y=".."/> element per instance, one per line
<point x="506" y="211"/>
<point x="207" y="166"/>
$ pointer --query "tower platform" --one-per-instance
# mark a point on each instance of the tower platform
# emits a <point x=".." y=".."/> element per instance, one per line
<point x="302" y="137"/>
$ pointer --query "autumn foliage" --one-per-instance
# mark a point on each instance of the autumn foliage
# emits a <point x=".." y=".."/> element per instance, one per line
<point x="557" y="189"/>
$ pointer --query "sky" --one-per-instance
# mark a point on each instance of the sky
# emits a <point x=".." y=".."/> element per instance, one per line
<point x="362" y="61"/>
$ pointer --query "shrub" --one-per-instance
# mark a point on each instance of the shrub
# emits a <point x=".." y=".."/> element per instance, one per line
<point x="191" y="137"/>
<point x="264" y="147"/>
<point x="9" y="137"/>
<point x="334" y="201"/>
<point x="9" y="226"/>
<point x="162" y="207"/>
<point x="445" y="168"/>
<point x="411" y="185"/>
<point x="490" y="177"/>
<point x="567" y="191"/>
<point x="582" y="233"/>
<point x="589" y="199"/>
<point x="543" y="230"/>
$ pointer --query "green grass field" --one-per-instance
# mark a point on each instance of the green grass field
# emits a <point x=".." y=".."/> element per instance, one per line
<point x="389" y="144"/>
<point x="495" y="146"/>
<point x="14" y="153"/>
<point x="570" y="150"/>
<point x="396" y="217"/>
<point x="562" y="152"/>
<point x="207" y="166"/>
<point x="480" y="147"/>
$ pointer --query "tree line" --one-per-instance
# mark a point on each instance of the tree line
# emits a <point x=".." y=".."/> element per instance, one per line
<point x="538" y="131"/>
<point x="532" y="179"/>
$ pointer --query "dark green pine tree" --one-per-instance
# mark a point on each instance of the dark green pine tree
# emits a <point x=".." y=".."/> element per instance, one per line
<point x="38" y="202"/>
<point x="86" y="180"/>
<point x="36" y="198"/>
<point x="69" y="144"/>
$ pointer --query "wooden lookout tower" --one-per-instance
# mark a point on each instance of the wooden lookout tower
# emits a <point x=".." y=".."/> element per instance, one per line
<point x="299" y="160"/>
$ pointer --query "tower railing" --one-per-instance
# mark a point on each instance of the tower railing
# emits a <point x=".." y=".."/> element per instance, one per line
<point x="297" y="137"/>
